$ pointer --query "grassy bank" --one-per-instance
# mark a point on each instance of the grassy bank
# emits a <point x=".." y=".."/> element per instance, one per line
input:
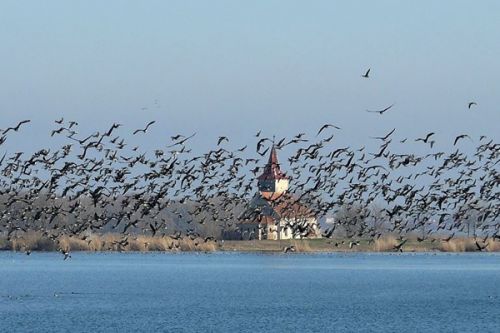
<point x="384" y="244"/>
<point x="33" y="241"/>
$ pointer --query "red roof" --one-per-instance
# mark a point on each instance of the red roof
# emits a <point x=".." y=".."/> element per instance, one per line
<point x="285" y="207"/>
<point x="272" y="169"/>
<point x="270" y="196"/>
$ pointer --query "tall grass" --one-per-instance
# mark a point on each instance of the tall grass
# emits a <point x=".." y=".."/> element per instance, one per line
<point x="35" y="241"/>
<point x="494" y="246"/>
<point x="385" y="243"/>
<point x="302" y="246"/>
<point x="458" y="245"/>
<point x="468" y="245"/>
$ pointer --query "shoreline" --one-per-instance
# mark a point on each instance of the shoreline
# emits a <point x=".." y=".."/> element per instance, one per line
<point x="34" y="242"/>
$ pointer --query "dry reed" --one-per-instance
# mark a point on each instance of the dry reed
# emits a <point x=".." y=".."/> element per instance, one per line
<point x="385" y="243"/>
<point x="457" y="245"/>
<point x="36" y="241"/>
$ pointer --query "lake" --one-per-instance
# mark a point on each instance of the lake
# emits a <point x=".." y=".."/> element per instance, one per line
<point x="237" y="292"/>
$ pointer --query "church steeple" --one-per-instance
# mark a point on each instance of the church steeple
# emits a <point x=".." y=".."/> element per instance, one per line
<point x="272" y="182"/>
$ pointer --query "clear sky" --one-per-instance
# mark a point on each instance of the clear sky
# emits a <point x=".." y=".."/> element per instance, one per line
<point x="233" y="67"/>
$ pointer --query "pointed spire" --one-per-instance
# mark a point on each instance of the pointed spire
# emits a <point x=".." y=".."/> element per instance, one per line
<point x="272" y="169"/>
<point x="273" y="157"/>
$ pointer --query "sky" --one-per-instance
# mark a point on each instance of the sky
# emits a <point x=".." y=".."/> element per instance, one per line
<point x="235" y="67"/>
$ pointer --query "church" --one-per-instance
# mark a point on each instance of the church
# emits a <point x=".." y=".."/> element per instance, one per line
<point x="273" y="213"/>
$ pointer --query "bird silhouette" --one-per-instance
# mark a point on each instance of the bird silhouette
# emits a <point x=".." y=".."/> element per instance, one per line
<point x="66" y="254"/>
<point x="426" y="138"/>
<point x="15" y="128"/>
<point x="145" y="128"/>
<point x="381" y="111"/>
<point x="325" y="126"/>
<point x="221" y="139"/>
<point x="459" y="137"/>
<point x="479" y="247"/>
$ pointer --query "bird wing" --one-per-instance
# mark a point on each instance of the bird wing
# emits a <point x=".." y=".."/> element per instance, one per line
<point x="322" y="128"/>
<point x="387" y="108"/>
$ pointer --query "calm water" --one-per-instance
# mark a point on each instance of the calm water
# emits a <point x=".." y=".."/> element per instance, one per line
<point x="228" y="292"/>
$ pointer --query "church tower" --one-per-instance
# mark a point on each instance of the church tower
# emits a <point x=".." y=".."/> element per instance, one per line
<point x="273" y="213"/>
<point x="272" y="182"/>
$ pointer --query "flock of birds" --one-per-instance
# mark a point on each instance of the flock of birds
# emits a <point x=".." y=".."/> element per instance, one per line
<point x="100" y="183"/>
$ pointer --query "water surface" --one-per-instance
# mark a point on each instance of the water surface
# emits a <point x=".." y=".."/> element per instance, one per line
<point x="232" y="292"/>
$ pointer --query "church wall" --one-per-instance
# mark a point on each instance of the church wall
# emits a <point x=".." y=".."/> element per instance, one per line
<point x="311" y="221"/>
<point x="271" y="232"/>
<point x="281" y="185"/>
<point x="249" y="231"/>
<point x="273" y="185"/>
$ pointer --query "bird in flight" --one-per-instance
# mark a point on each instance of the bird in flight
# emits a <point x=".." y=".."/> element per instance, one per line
<point x="479" y="247"/>
<point x="399" y="247"/>
<point x="424" y="140"/>
<point x="15" y="129"/>
<point x="471" y="104"/>
<point x="367" y="74"/>
<point x="383" y="138"/>
<point x="461" y="137"/>
<point x="66" y="254"/>
<point x="222" y="138"/>
<point x="381" y="111"/>
<point x="325" y="126"/>
<point x="145" y="129"/>
<point x="180" y="142"/>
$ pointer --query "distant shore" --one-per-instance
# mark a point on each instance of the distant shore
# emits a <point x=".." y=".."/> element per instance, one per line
<point x="115" y="242"/>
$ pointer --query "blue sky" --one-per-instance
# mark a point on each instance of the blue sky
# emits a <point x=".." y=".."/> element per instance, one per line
<point x="233" y="67"/>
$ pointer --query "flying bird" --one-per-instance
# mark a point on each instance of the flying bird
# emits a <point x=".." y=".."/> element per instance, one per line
<point x="325" y="126"/>
<point x="16" y="128"/>
<point x="381" y="111"/>
<point x="145" y="129"/>
<point x="112" y="128"/>
<point x="424" y="140"/>
<point x="182" y="141"/>
<point x="66" y="254"/>
<point x="471" y="104"/>
<point x="383" y="138"/>
<point x="462" y="136"/>
<point x="222" y="138"/>
<point x="479" y="247"/>
<point x="399" y="247"/>
<point x="367" y="74"/>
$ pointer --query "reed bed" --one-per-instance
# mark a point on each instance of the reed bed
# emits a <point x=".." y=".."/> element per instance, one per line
<point x="385" y="244"/>
<point x="36" y="241"/>
<point x="469" y="245"/>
